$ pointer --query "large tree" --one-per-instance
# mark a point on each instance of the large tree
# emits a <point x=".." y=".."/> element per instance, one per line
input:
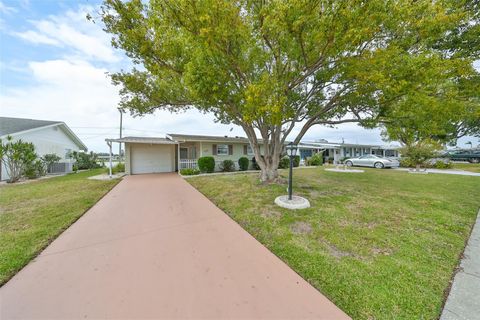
<point x="272" y="66"/>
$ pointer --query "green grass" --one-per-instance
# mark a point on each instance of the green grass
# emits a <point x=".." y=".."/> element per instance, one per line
<point x="33" y="214"/>
<point x="473" y="167"/>
<point x="381" y="244"/>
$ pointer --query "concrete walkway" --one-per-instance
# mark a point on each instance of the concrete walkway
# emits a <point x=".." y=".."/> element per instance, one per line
<point x="154" y="247"/>
<point x="463" y="302"/>
<point x="446" y="171"/>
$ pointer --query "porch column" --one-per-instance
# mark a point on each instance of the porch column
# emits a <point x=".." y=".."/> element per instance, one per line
<point x="335" y="156"/>
<point x="110" y="167"/>
<point x="201" y="150"/>
<point x="178" y="157"/>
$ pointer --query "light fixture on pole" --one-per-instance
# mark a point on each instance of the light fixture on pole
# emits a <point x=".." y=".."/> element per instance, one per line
<point x="289" y="201"/>
<point x="291" y="153"/>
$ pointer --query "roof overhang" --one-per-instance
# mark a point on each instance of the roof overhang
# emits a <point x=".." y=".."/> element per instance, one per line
<point x="63" y="127"/>
<point x="144" y="140"/>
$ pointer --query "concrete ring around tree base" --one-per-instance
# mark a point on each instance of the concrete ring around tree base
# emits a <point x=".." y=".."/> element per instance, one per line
<point x="346" y="170"/>
<point x="296" y="202"/>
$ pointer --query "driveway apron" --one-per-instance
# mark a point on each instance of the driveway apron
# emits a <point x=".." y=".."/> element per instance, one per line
<point x="155" y="247"/>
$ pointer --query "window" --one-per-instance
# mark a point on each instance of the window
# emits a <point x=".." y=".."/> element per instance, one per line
<point x="68" y="153"/>
<point x="249" y="150"/>
<point x="222" y="149"/>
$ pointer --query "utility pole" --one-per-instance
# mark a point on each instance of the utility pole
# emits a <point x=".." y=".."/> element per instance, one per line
<point x="120" y="144"/>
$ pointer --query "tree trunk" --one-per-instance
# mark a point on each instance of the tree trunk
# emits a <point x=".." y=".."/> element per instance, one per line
<point x="269" y="158"/>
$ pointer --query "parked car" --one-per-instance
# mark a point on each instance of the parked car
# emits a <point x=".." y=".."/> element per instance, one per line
<point x="472" y="156"/>
<point x="371" y="160"/>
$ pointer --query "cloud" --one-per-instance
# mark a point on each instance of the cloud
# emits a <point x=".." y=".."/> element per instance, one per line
<point x="4" y="9"/>
<point x="72" y="31"/>
<point x="37" y="38"/>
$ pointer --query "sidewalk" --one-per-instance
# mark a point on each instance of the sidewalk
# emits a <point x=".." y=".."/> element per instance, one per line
<point x="463" y="301"/>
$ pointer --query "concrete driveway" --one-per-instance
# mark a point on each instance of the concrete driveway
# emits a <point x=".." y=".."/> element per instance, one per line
<point x="154" y="247"/>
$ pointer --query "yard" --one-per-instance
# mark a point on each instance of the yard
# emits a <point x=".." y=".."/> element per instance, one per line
<point x="33" y="214"/>
<point x="473" y="167"/>
<point x="381" y="244"/>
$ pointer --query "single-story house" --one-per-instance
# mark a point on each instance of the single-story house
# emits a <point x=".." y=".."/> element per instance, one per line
<point x="47" y="137"/>
<point x="178" y="151"/>
<point x="335" y="152"/>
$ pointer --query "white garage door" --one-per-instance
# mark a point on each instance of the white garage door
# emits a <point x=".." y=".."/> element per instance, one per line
<point x="153" y="158"/>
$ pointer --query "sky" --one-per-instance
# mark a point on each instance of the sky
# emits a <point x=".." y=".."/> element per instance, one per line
<point x="54" y="65"/>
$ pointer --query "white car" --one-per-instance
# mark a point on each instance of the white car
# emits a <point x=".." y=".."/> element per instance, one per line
<point x="371" y="160"/>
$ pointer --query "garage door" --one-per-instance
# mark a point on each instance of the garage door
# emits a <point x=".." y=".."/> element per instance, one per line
<point x="146" y="158"/>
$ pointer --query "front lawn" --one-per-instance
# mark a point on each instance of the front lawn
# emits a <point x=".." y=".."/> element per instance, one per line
<point x="35" y="213"/>
<point x="473" y="167"/>
<point x="381" y="244"/>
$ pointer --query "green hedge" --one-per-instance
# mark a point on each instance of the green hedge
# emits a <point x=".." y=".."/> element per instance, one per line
<point x="315" y="160"/>
<point x="284" y="163"/>
<point x="189" y="171"/>
<point x="227" y="166"/>
<point x="243" y="163"/>
<point x="206" y="164"/>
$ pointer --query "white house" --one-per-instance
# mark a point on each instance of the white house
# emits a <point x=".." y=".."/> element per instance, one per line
<point x="47" y="137"/>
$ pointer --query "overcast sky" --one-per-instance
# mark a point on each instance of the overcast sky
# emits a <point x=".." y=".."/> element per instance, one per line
<point x="53" y="65"/>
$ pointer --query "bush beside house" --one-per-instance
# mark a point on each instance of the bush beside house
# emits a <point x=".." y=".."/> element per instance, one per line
<point x="206" y="164"/>
<point x="19" y="158"/>
<point x="243" y="163"/>
<point x="189" y="171"/>
<point x="315" y="160"/>
<point x="227" y="166"/>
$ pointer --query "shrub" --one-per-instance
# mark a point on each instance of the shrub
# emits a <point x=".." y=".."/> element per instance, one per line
<point x="49" y="160"/>
<point x="255" y="164"/>
<point x="18" y="156"/>
<point x="206" y="164"/>
<point x="120" y="167"/>
<point x="420" y="152"/>
<point x="189" y="171"/>
<point x="296" y="161"/>
<point x="243" y="163"/>
<point x="227" y="166"/>
<point x="443" y="165"/>
<point x="315" y="160"/>
<point x="85" y="160"/>
<point x="284" y="163"/>
<point x="35" y="169"/>
<point x="406" y="162"/>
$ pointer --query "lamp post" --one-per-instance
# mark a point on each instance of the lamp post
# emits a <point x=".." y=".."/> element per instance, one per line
<point x="291" y="153"/>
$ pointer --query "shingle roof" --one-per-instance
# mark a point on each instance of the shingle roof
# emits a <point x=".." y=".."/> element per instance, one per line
<point x="188" y="137"/>
<point x="14" y="125"/>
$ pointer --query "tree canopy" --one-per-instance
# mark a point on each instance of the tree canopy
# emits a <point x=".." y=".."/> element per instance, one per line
<point x="272" y="66"/>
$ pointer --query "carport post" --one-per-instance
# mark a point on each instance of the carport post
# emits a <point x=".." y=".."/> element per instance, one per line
<point x="110" y="167"/>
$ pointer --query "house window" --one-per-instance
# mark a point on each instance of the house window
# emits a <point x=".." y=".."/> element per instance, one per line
<point x="249" y="150"/>
<point x="222" y="149"/>
<point x="68" y="153"/>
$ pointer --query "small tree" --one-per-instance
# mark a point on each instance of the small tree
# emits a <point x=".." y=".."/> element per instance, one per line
<point x="419" y="153"/>
<point x="17" y="156"/>
<point x="49" y="160"/>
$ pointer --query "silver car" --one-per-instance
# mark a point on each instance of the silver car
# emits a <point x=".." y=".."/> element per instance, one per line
<point x="371" y="160"/>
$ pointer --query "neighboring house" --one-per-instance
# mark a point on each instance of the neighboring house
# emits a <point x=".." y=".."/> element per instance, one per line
<point x="47" y="137"/>
<point x="179" y="151"/>
<point x="334" y="152"/>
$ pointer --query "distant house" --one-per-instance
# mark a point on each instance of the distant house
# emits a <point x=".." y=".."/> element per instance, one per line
<point x="47" y="137"/>
<point x="179" y="151"/>
<point x="334" y="152"/>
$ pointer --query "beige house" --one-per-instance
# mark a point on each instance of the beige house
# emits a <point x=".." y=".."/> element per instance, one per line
<point x="179" y="151"/>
